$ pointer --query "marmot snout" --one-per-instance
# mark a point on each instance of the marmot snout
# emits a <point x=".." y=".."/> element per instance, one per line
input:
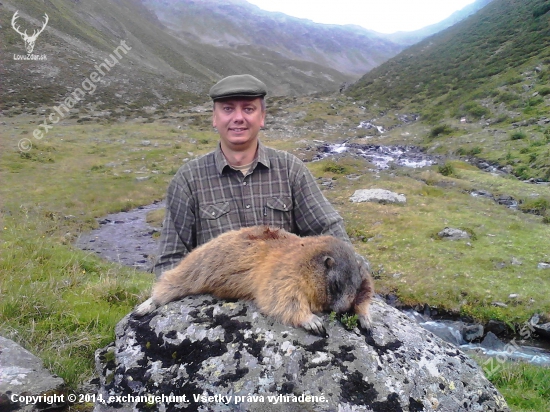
<point x="288" y="277"/>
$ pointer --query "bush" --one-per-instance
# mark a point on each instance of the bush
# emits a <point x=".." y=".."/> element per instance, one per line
<point x="447" y="169"/>
<point x="476" y="110"/>
<point x="536" y="206"/>
<point x="539" y="11"/>
<point x="518" y="135"/>
<point x="442" y="129"/>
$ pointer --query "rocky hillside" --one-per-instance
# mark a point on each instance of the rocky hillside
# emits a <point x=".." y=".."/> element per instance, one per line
<point x="481" y="85"/>
<point x="258" y="35"/>
<point x="174" y="53"/>
<point x="494" y="43"/>
<point x="409" y="38"/>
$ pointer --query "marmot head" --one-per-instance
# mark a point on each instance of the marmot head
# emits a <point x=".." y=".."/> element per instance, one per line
<point x="343" y="276"/>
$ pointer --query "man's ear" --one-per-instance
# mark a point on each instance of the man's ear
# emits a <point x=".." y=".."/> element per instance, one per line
<point x="263" y="119"/>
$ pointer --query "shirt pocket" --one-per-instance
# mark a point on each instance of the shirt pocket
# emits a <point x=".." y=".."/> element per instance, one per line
<point x="214" y="211"/>
<point x="279" y="213"/>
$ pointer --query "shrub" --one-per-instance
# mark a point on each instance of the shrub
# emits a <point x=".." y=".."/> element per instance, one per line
<point x="539" y="11"/>
<point x="447" y="169"/>
<point x="333" y="167"/>
<point x="518" y="135"/>
<point x="476" y="110"/>
<point x="442" y="129"/>
<point x="536" y="206"/>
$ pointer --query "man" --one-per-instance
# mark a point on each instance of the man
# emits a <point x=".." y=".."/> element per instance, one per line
<point x="242" y="183"/>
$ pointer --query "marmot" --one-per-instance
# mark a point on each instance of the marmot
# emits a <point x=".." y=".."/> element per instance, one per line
<point x="287" y="276"/>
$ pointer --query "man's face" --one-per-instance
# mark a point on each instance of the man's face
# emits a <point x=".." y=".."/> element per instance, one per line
<point x="238" y="121"/>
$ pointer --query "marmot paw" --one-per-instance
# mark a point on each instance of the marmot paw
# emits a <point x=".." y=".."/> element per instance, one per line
<point x="315" y="325"/>
<point x="146" y="307"/>
<point x="365" y="322"/>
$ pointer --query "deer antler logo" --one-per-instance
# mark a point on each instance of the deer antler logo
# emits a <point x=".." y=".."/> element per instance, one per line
<point x="29" y="40"/>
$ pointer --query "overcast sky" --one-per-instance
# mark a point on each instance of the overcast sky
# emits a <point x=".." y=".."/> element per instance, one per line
<point x="384" y="16"/>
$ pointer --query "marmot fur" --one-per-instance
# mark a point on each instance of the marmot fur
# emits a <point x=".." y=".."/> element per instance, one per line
<point x="287" y="276"/>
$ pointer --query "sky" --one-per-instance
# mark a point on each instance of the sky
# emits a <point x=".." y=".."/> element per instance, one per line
<point x="383" y="16"/>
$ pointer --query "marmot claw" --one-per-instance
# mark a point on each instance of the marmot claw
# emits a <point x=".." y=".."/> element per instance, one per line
<point x="315" y="326"/>
<point x="146" y="307"/>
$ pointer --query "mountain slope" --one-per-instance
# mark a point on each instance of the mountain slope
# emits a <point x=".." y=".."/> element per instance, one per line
<point x="169" y="66"/>
<point x="251" y="32"/>
<point x="482" y="87"/>
<point x="504" y="35"/>
<point x="409" y="38"/>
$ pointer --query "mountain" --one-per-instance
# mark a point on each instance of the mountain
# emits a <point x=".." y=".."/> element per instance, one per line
<point x="412" y="37"/>
<point x="177" y="50"/>
<point x="475" y="56"/>
<point x="255" y="34"/>
<point x="481" y="86"/>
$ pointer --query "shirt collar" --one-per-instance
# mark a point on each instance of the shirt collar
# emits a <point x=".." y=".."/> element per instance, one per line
<point x="222" y="164"/>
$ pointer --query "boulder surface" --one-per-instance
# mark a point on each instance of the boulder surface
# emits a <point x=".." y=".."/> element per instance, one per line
<point x="204" y="354"/>
<point x="22" y="376"/>
<point x="378" y="196"/>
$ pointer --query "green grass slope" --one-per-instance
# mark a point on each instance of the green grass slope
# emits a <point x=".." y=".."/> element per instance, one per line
<point x="480" y="86"/>
<point x="496" y="41"/>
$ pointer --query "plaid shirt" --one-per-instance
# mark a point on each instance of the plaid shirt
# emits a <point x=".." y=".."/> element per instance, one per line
<point x="207" y="197"/>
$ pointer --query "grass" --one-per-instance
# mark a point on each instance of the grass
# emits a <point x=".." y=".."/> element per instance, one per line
<point x="63" y="304"/>
<point x="525" y="387"/>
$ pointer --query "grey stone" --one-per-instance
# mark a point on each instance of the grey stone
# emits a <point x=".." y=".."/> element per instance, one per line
<point x="377" y="195"/>
<point x="500" y="304"/>
<point x="543" y="330"/>
<point x="491" y="342"/>
<point x="516" y="262"/>
<point x="450" y="233"/>
<point x="496" y="326"/>
<point x="204" y="346"/>
<point x="23" y="373"/>
<point x="471" y="333"/>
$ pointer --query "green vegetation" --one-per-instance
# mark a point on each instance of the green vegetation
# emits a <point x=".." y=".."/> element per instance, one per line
<point x="525" y="387"/>
<point x="481" y="88"/>
<point x="59" y="302"/>
<point x="350" y="321"/>
<point x="440" y="130"/>
<point x="447" y="169"/>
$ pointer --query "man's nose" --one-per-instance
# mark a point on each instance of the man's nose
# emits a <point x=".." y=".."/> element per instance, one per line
<point x="238" y="115"/>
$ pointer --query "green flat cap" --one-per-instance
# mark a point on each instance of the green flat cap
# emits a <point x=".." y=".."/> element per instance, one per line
<point x="238" y="85"/>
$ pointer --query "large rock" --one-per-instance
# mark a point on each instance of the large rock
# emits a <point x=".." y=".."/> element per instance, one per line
<point x="450" y="233"/>
<point x="377" y="195"/>
<point x="22" y="374"/>
<point x="201" y="346"/>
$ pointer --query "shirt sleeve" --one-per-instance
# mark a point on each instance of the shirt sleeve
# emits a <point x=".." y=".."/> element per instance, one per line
<point x="314" y="214"/>
<point x="178" y="233"/>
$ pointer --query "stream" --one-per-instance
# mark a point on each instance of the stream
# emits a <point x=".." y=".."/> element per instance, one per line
<point x="126" y="238"/>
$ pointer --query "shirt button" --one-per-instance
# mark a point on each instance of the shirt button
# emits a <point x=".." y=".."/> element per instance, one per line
<point x="248" y="206"/>
<point x="213" y="213"/>
<point x="244" y="183"/>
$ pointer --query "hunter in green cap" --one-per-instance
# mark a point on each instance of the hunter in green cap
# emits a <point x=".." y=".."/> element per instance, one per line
<point x="242" y="182"/>
<point x="241" y="85"/>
